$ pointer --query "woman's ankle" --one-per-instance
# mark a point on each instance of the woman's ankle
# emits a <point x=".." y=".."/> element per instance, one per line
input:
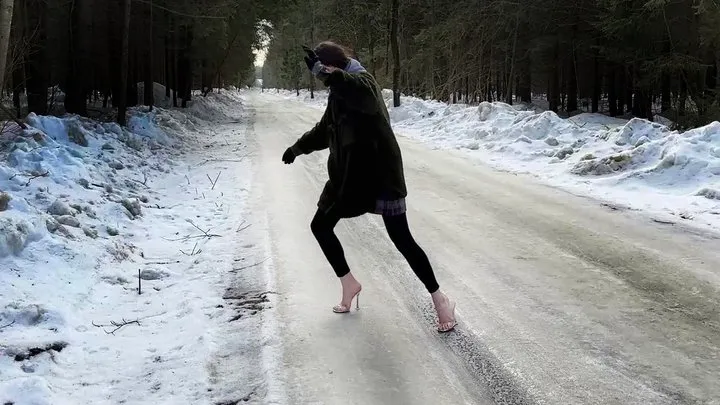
<point x="349" y="280"/>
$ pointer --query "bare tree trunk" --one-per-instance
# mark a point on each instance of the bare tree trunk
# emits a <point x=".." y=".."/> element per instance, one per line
<point x="204" y="86"/>
<point x="312" y="43"/>
<point x="554" y="90"/>
<point x="572" y="84"/>
<point x="80" y="58"/>
<point x="511" y="74"/>
<point x="395" y="51"/>
<point x="612" y="90"/>
<point x="629" y="87"/>
<point x="524" y="83"/>
<point x="387" y="43"/>
<point x="187" y="76"/>
<point x="6" y="16"/>
<point x="175" y="43"/>
<point x="168" y="54"/>
<point x="133" y="61"/>
<point x="467" y="90"/>
<point x="18" y="87"/>
<point x="148" y="97"/>
<point x="125" y="54"/>
<point x="717" y="76"/>
<point x="167" y="66"/>
<point x="637" y="96"/>
<point x="371" y="53"/>
<point x="665" y="92"/>
<point x="18" y="36"/>
<point x="621" y="88"/>
<point x="682" y="104"/>
<point x="597" y="81"/>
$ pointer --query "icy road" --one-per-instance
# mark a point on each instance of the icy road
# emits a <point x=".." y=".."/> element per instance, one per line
<point x="561" y="300"/>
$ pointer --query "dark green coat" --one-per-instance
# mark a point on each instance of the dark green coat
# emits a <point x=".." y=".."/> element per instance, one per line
<point x="365" y="163"/>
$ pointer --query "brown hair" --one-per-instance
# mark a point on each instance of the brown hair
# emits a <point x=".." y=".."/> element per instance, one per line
<point x="333" y="54"/>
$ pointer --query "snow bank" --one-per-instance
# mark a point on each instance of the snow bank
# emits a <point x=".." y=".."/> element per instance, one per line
<point x="84" y="206"/>
<point x="638" y="163"/>
<point x="65" y="180"/>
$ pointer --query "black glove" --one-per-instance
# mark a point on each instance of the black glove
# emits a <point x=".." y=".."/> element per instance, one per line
<point x="311" y="58"/>
<point x="288" y="157"/>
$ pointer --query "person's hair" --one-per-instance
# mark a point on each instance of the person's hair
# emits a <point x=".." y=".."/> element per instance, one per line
<point x="333" y="54"/>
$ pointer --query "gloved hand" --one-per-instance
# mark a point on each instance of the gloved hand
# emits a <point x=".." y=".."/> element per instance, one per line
<point x="311" y="59"/>
<point x="288" y="157"/>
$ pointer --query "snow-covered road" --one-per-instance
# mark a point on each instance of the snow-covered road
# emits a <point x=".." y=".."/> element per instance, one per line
<point x="560" y="299"/>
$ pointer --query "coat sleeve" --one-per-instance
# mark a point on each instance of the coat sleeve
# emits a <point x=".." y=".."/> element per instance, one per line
<point x="315" y="139"/>
<point x="357" y="90"/>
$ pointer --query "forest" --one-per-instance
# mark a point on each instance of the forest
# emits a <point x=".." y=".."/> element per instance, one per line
<point x="638" y="58"/>
<point x="91" y="57"/>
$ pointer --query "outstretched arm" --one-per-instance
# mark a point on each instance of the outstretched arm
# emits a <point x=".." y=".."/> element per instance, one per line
<point x="314" y="140"/>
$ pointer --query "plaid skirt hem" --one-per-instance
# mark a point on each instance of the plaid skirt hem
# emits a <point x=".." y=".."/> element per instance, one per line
<point x="390" y="207"/>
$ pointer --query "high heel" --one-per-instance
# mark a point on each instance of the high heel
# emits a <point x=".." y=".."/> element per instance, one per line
<point x="442" y="305"/>
<point x="445" y="327"/>
<point x="343" y="309"/>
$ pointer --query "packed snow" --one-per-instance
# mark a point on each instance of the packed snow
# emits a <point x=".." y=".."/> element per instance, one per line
<point x="633" y="163"/>
<point x="119" y="252"/>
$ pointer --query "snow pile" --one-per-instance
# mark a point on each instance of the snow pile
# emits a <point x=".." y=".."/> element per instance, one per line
<point x="319" y="100"/>
<point x="87" y="208"/>
<point x="638" y="163"/>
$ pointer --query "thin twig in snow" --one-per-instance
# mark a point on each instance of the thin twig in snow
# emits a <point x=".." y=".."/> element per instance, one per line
<point x="206" y="161"/>
<point x="242" y="228"/>
<point x="175" y="262"/>
<point x="35" y="176"/>
<point x="188" y="179"/>
<point x="250" y="265"/>
<point x="124" y="322"/>
<point x="158" y="206"/>
<point x="8" y="325"/>
<point x="194" y="251"/>
<point x="216" y="180"/>
<point x="30" y="176"/>
<point x="117" y="325"/>
<point x="185" y="238"/>
<point x="207" y="233"/>
<point x="144" y="182"/>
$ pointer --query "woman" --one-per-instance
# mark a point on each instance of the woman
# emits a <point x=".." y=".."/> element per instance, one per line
<point x="365" y="172"/>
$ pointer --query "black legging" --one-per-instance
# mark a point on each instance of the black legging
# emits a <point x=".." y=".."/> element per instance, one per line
<point x="322" y="227"/>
